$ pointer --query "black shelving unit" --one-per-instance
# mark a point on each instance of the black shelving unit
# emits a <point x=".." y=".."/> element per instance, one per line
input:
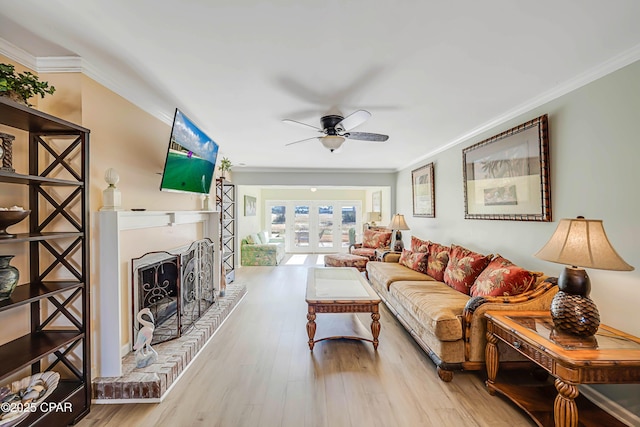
<point x="226" y="205"/>
<point x="57" y="291"/>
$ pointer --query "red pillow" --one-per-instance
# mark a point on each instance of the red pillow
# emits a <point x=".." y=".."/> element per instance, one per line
<point x="376" y="239"/>
<point x="503" y="278"/>
<point x="419" y="245"/>
<point x="414" y="260"/>
<point x="437" y="261"/>
<point x="464" y="267"/>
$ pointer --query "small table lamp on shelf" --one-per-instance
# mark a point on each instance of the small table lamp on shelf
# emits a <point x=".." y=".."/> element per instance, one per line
<point x="397" y="223"/>
<point x="579" y="243"/>
<point x="372" y="217"/>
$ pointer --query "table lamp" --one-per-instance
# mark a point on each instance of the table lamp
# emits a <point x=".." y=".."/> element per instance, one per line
<point x="397" y="223"/>
<point x="579" y="243"/>
<point x="372" y="217"/>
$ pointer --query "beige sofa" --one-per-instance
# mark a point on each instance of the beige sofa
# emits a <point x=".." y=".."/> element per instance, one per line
<point x="449" y="325"/>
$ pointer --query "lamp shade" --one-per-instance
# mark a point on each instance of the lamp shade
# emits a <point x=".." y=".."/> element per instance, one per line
<point x="582" y="243"/>
<point x="374" y="216"/>
<point x="398" y="223"/>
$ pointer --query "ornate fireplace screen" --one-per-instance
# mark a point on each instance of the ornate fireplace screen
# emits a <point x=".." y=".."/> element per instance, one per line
<point x="177" y="286"/>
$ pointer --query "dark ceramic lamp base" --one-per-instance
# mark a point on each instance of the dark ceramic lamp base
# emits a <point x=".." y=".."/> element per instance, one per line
<point x="575" y="314"/>
<point x="571" y="309"/>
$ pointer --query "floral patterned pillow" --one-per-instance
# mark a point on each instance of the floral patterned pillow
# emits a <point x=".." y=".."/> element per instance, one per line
<point x="419" y="245"/>
<point x="414" y="260"/>
<point x="376" y="239"/>
<point x="437" y="261"/>
<point x="503" y="278"/>
<point x="464" y="267"/>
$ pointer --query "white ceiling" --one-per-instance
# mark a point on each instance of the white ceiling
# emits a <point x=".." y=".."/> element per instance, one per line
<point x="431" y="73"/>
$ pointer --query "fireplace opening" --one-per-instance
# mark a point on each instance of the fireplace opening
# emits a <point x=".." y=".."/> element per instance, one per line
<point x="177" y="286"/>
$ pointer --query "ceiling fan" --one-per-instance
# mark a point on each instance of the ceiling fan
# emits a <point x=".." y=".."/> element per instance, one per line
<point x="336" y="129"/>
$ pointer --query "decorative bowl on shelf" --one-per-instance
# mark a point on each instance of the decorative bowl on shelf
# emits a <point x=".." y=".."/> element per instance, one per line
<point x="22" y="396"/>
<point x="9" y="218"/>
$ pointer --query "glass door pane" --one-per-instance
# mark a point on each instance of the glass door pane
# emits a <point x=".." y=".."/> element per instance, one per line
<point x="348" y="226"/>
<point x="301" y="227"/>
<point x="325" y="227"/>
<point x="277" y="226"/>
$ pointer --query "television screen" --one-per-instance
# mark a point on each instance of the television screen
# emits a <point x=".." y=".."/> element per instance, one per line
<point x="191" y="158"/>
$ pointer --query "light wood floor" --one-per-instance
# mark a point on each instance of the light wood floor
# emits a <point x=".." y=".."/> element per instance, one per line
<point x="258" y="371"/>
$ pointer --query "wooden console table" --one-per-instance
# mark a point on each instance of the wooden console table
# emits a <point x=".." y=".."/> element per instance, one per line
<point x="609" y="357"/>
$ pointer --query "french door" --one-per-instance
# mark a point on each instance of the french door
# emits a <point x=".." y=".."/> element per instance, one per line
<point x="314" y="226"/>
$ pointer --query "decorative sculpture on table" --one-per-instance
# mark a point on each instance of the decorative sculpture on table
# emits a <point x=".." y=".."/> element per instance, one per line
<point x="145" y="354"/>
<point x="111" y="196"/>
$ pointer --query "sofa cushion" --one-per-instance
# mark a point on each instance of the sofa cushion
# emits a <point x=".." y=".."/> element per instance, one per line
<point x="385" y="273"/>
<point x="376" y="239"/>
<point x="253" y="239"/>
<point x="263" y="236"/>
<point x="419" y="245"/>
<point x="435" y="305"/>
<point x="464" y="267"/>
<point x="437" y="261"/>
<point x="414" y="260"/>
<point x="503" y="278"/>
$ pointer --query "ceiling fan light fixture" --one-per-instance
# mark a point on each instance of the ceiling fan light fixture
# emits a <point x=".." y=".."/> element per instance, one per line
<point x="332" y="142"/>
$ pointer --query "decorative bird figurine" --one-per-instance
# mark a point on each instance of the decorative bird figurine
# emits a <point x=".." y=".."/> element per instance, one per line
<point x="145" y="354"/>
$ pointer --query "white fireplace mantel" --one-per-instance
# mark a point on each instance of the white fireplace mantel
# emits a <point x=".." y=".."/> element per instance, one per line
<point x="111" y="316"/>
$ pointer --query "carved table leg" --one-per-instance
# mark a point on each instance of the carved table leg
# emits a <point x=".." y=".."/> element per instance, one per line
<point x="492" y="361"/>
<point x="375" y="326"/>
<point x="311" y="326"/>
<point x="565" y="410"/>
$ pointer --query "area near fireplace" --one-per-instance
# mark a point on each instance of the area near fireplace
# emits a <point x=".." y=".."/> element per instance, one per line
<point x="151" y="384"/>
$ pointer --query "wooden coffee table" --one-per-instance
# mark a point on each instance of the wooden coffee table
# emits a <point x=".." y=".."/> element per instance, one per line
<point x="609" y="357"/>
<point x="340" y="290"/>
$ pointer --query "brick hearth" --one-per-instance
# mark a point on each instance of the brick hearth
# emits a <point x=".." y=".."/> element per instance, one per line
<point x="150" y="384"/>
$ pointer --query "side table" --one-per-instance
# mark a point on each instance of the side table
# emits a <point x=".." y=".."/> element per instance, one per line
<point x="609" y="357"/>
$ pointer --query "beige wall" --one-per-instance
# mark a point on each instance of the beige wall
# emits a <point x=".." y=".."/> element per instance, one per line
<point x="594" y="172"/>
<point x="122" y="137"/>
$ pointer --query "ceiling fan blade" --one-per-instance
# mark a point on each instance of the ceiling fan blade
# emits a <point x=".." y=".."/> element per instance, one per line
<point x="302" y="140"/>
<point x="300" y="123"/>
<point x="364" y="136"/>
<point x="352" y="120"/>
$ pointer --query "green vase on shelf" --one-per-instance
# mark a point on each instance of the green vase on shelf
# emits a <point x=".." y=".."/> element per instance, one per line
<point x="9" y="276"/>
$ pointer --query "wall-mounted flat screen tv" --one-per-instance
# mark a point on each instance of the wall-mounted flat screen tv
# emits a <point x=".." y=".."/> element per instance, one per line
<point x="191" y="158"/>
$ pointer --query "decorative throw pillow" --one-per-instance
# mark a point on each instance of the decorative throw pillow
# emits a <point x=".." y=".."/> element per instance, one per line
<point x="464" y="267"/>
<point x="419" y="245"/>
<point x="264" y="237"/>
<point x="376" y="239"/>
<point x="503" y="278"/>
<point x="414" y="260"/>
<point x="437" y="261"/>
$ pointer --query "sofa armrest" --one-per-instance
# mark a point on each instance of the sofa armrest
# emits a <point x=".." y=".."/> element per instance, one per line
<point x="475" y="324"/>
<point x="354" y="246"/>
<point x="391" y="256"/>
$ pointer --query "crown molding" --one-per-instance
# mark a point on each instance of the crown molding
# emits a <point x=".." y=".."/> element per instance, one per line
<point x="59" y="64"/>
<point x="611" y="65"/>
<point x="76" y="64"/>
<point x="17" y="54"/>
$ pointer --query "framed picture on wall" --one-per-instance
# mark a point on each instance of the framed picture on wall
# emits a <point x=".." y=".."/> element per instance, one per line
<point x="249" y="206"/>
<point x="423" y="190"/>
<point x="376" y="201"/>
<point x="507" y="176"/>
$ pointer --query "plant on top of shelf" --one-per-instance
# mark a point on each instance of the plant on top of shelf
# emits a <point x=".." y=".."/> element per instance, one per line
<point x="22" y="86"/>
<point x="225" y="166"/>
